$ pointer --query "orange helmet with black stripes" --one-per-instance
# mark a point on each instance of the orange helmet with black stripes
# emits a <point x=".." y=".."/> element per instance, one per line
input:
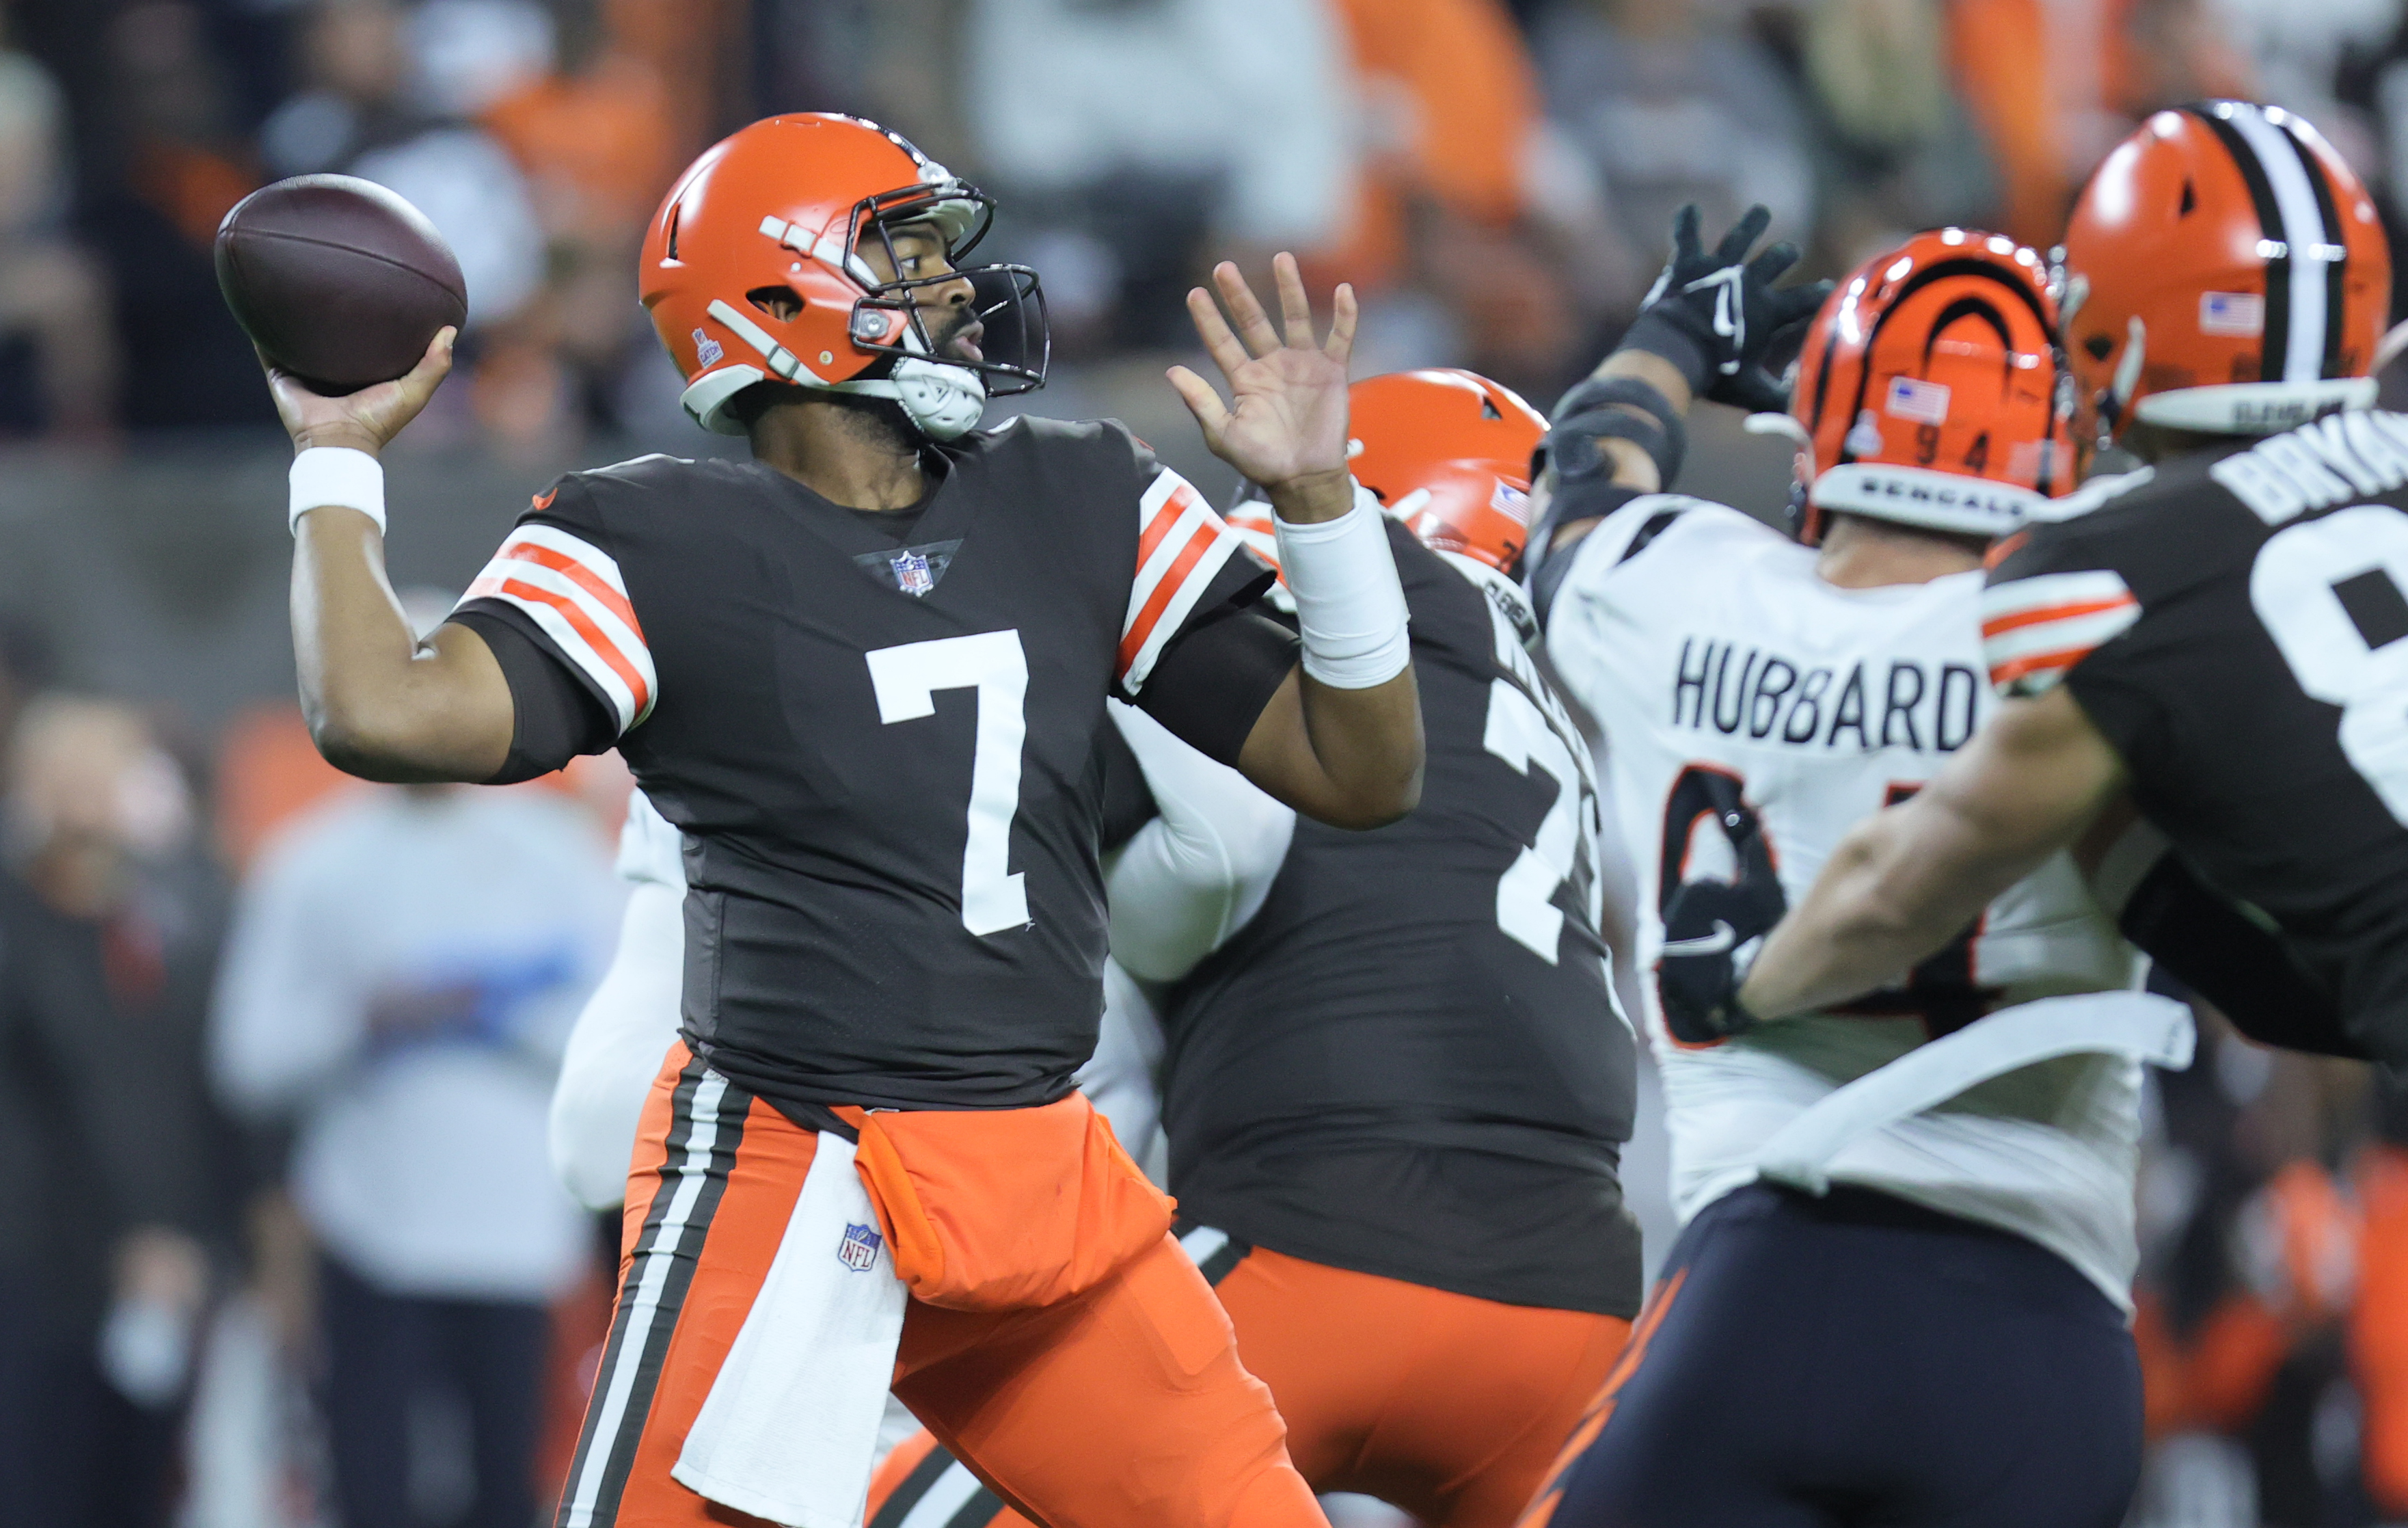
<point x="1927" y="391"/>
<point x="1445" y="451"/>
<point x="2224" y="272"/>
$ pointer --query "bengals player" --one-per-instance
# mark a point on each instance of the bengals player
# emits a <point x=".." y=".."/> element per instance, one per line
<point x="862" y="674"/>
<point x="2212" y="642"/>
<point x="1923" y="1321"/>
<point x="1395" y="1084"/>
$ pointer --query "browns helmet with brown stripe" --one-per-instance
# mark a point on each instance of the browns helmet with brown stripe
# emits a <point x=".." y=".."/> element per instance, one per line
<point x="1927" y="391"/>
<point x="2224" y="272"/>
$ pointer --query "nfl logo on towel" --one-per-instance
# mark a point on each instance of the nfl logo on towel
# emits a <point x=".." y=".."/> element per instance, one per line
<point x="859" y="1249"/>
<point x="911" y="573"/>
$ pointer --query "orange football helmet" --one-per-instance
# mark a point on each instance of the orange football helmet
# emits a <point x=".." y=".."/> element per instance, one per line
<point x="780" y="209"/>
<point x="1445" y="451"/>
<point x="2224" y="272"/>
<point x="1927" y="391"/>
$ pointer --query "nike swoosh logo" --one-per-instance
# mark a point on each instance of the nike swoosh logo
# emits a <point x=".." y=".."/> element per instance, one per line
<point x="1721" y="939"/>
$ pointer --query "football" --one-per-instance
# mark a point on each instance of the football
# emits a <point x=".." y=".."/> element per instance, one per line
<point x="337" y="280"/>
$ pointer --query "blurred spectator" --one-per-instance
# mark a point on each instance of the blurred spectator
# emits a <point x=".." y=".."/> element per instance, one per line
<point x="1137" y="133"/>
<point x="2053" y="84"/>
<point x="58" y="357"/>
<point x="1472" y="197"/>
<point x="1677" y="105"/>
<point x="595" y="143"/>
<point x="403" y="973"/>
<point x="103" y="1145"/>
<point x="1895" y="151"/>
<point x="180" y="166"/>
<point x="367" y="108"/>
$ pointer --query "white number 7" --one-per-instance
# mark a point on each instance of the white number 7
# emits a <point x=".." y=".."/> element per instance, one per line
<point x="907" y="680"/>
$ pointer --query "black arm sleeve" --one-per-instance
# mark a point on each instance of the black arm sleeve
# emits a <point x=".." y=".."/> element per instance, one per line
<point x="2234" y="963"/>
<point x="1210" y="685"/>
<point x="555" y="715"/>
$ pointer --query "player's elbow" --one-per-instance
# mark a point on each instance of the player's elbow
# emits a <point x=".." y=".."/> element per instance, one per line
<point x="1373" y="803"/>
<point x="375" y="742"/>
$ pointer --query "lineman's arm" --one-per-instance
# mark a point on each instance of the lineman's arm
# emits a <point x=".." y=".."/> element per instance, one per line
<point x="1344" y="748"/>
<point x="1905" y="881"/>
<point x="1196" y="873"/>
<point x="382" y="704"/>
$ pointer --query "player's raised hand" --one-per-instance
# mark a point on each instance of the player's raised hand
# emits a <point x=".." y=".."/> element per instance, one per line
<point x="1286" y="420"/>
<point x="368" y="419"/>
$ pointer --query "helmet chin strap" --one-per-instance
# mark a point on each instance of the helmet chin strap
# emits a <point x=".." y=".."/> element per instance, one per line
<point x="945" y="401"/>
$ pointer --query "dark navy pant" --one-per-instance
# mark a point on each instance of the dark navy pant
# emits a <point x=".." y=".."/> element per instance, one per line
<point x="1857" y="1359"/>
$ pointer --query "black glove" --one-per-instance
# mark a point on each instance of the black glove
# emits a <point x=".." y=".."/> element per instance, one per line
<point x="1718" y="318"/>
<point x="1711" y="932"/>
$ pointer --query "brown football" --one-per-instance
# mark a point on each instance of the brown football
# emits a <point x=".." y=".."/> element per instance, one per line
<point x="337" y="280"/>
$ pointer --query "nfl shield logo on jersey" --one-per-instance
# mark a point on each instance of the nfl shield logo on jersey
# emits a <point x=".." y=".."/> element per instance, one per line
<point x="859" y="1249"/>
<point x="911" y="573"/>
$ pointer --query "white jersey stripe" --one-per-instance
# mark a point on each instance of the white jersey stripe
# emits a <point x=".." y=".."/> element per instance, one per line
<point x="551" y="538"/>
<point x="1183" y="604"/>
<point x="659" y="1257"/>
<point x="570" y="641"/>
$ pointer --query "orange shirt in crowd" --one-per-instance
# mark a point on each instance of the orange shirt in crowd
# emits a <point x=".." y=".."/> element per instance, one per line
<point x="598" y="146"/>
<point x="1452" y="100"/>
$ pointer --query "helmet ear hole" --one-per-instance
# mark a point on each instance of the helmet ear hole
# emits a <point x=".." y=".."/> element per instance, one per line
<point x="778" y="302"/>
<point x="2189" y="200"/>
<point x="2099" y="347"/>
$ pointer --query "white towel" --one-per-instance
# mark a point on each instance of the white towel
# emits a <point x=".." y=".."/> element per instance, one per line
<point x="789" y="1430"/>
<point x="2154" y="1029"/>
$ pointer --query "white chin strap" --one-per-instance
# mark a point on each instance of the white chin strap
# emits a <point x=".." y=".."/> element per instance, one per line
<point x="945" y="401"/>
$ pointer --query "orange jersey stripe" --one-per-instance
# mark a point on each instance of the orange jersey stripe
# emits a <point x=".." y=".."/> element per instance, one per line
<point x="584" y="577"/>
<point x="594" y="637"/>
<point x="2000" y="625"/>
<point x="2008" y="672"/>
<point x="1164" y="518"/>
<point x="1165" y="589"/>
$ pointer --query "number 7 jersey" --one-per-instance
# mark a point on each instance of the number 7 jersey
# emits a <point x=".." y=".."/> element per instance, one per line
<point x="881" y="756"/>
<point x="2233" y="624"/>
<point x="1728" y="678"/>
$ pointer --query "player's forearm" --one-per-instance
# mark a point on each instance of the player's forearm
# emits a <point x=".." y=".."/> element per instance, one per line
<point x="1898" y="888"/>
<point x="1350" y="759"/>
<point x="378" y="705"/>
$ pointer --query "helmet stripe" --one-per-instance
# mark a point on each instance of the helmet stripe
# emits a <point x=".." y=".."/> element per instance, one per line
<point x="2336" y="263"/>
<point x="2274" y="341"/>
<point x="2305" y="240"/>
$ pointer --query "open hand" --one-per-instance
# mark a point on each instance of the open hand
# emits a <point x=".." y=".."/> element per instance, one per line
<point x="368" y="419"/>
<point x="1286" y="419"/>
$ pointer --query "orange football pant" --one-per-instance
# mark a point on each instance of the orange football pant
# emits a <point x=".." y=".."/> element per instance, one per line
<point x="1449" y="1407"/>
<point x="1121" y="1406"/>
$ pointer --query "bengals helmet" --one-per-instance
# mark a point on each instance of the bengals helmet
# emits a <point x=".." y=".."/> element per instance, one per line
<point x="776" y="214"/>
<point x="1445" y="451"/>
<point x="2224" y="272"/>
<point x="1927" y="391"/>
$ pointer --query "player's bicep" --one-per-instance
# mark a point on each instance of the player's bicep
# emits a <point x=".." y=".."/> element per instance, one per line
<point x="2030" y="783"/>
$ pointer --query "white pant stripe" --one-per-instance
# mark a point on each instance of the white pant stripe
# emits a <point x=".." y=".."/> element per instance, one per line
<point x="693" y="1173"/>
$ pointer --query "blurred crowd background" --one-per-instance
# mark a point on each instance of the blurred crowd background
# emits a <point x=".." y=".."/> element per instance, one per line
<point x="278" y="1244"/>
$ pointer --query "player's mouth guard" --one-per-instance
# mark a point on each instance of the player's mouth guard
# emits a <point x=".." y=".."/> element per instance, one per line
<point x="945" y="401"/>
<point x="2139" y="1025"/>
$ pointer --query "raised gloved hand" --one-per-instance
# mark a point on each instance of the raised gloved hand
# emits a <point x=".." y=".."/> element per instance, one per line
<point x="1712" y="929"/>
<point x="1718" y="318"/>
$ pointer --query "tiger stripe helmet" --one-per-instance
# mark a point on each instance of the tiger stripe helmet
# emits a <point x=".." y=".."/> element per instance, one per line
<point x="2224" y="272"/>
<point x="1444" y="450"/>
<point x="1927" y="391"/>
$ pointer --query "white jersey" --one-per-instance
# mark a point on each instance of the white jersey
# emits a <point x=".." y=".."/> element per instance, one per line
<point x="1724" y="674"/>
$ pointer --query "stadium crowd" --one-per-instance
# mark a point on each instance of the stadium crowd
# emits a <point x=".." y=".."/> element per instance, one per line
<point x="233" y="1092"/>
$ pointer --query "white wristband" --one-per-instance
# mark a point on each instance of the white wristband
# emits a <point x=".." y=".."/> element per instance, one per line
<point x="337" y="477"/>
<point x="1350" y="606"/>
